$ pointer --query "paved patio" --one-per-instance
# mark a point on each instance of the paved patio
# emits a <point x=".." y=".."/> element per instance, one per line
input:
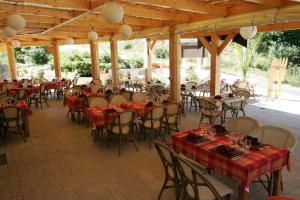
<point x="60" y="161"/>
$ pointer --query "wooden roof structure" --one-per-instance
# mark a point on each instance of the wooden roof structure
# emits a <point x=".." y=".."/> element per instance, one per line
<point x="48" y="20"/>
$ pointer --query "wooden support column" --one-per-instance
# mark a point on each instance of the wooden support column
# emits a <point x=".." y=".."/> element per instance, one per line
<point x="149" y="45"/>
<point x="56" y="59"/>
<point x="11" y="61"/>
<point x="94" y="60"/>
<point x="174" y="64"/>
<point x="114" y="60"/>
<point x="215" y="49"/>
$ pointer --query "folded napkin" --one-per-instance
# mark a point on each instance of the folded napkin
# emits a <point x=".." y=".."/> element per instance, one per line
<point x="230" y="95"/>
<point x="183" y="88"/>
<point x="195" y="139"/>
<point x="82" y="95"/>
<point x="254" y="140"/>
<point x="218" y="97"/>
<point x="255" y="144"/>
<point x="194" y="87"/>
<point x="110" y="111"/>
<point x="220" y="130"/>
<point x="227" y="152"/>
<point x="149" y="104"/>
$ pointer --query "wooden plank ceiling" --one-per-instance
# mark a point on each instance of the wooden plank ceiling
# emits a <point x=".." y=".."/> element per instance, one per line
<point x="59" y="19"/>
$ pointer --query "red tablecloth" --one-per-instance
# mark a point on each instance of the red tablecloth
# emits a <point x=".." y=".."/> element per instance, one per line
<point x="74" y="102"/>
<point x="97" y="117"/>
<point x="137" y="106"/>
<point x="244" y="170"/>
<point x="22" y="104"/>
<point x="54" y="84"/>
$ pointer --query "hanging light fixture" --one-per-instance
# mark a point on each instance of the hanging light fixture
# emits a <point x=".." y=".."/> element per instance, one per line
<point x="92" y="36"/>
<point x="10" y="32"/>
<point x="248" y="32"/>
<point x="125" y="30"/>
<point x="4" y="37"/>
<point x="69" y="41"/>
<point x="16" y="43"/>
<point x="113" y="12"/>
<point x="16" y="22"/>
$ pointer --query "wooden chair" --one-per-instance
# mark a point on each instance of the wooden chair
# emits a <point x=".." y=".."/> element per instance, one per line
<point x="243" y="125"/>
<point x="171" y="176"/>
<point x="13" y="120"/>
<point x="139" y="96"/>
<point x="196" y="184"/>
<point x="39" y="97"/>
<point x="127" y="95"/>
<point x="172" y="117"/>
<point x="208" y="110"/>
<point x="122" y="127"/>
<point x="118" y="99"/>
<point x="277" y="137"/>
<point x="152" y="120"/>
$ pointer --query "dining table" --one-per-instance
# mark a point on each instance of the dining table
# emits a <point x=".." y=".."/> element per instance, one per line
<point x="223" y="101"/>
<point x="139" y="107"/>
<point x="244" y="169"/>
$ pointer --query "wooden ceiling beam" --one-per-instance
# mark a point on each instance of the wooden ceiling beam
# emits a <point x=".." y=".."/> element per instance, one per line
<point x="68" y="4"/>
<point x="185" y="5"/>
<point x="160" y="14"/>
<point x="31" y="10"/>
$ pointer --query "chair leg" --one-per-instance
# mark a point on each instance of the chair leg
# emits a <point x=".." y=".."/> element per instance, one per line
<point x="162" y="189"/>
<point x="120" y="138"/>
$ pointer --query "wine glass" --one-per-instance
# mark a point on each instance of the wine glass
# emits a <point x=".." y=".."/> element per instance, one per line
<point x="212" y="132"/>
<point x="248" y="145"/>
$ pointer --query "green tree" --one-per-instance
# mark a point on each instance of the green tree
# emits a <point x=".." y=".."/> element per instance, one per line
<point x="246" y="58"/>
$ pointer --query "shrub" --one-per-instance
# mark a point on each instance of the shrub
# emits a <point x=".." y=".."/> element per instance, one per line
<point x="138" y="62"/>
<point x="161" y="52"/>
<point x="128" y="46"/>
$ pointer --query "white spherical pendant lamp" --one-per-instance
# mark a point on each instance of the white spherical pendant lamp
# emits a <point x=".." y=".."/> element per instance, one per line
<point x="248" y="32"/>
<point x="16" y="43"/>
<point x="125" y="30"/>
<point x="4" y="37"/>
<point x="9" y="32"/>
<point x="69" y="41"/>
<point x="92" y="36"/>
<point x="16" y="22"/>
<point x="113" y="12"/>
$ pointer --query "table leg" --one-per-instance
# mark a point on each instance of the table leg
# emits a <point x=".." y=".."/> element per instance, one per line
<point x="26" y="125"/>
<point x="243" y="194"/>
<point x="276" y="182"/>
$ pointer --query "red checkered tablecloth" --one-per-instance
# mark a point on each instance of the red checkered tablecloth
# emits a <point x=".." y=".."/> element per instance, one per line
<point x="22" y="104"/>
<point x="137" y="106"/>
<point x="54" y="84"/>
<point x="243" y="170"/>
<point x="74" y="102"/>
<point x="97" y="117"/>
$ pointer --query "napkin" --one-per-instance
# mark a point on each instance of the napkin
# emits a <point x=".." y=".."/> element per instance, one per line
<point x="217" y="97"/>
<point x="149" y="104"/>
<point x="227" y="152"/>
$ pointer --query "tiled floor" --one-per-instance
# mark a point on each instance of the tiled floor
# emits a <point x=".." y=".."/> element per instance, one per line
<point x="60" y="161"/>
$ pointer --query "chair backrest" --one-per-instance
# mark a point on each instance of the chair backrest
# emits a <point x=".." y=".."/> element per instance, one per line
<point x="165" y="154"/>
<point x="242" y="93"/>
<point x="139" y="96"/>
<point x="192" y="178"/>
<point x="243" y="85"/>
<point x="124" y="118"/>
<point x="243" y="125"/>
<point x="95" y="88"/>
<point x="12" y="116"/>
<point x="42" y="88"/>
<point x="21" y="94"/>
<point x="73" y="91"/>
<point x="156" y="113"/>
<point x="95" y="101"/>
<point x="97" y="82"/>
<point x="206" y="104"/>
<point x="276" y="136"/>
<point x="8" y="100"/>
<point x="127" y="95"/>
<point x="117" y="99"/>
